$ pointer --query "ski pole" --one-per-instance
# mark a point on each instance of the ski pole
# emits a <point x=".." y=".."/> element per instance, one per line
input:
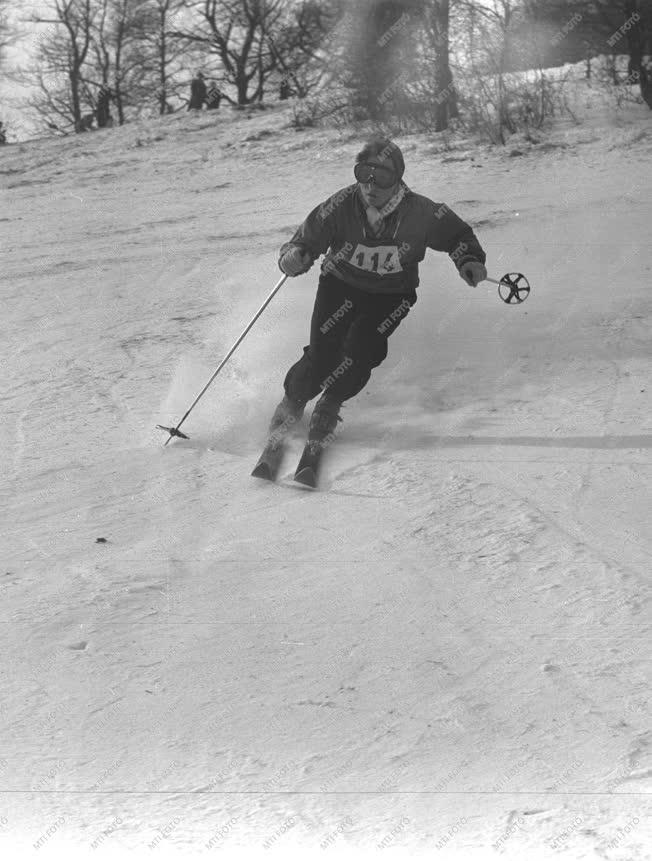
<point x="512" y="288"/>
<point x="175" y="430"/>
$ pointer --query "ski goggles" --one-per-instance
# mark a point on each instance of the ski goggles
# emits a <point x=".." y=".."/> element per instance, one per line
<point x="383" y="177"/>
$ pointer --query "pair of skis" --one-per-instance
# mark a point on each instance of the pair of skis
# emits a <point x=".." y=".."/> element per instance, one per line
<point x="307" y="470"/>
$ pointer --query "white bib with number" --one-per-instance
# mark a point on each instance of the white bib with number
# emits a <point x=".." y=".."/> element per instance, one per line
<point x="380" y="259"/>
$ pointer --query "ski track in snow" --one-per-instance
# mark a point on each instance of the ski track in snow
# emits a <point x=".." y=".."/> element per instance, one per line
<point x="445" y="650"/>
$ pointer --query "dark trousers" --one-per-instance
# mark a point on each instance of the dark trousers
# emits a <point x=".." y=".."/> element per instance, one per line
<point x="348" y="337"/>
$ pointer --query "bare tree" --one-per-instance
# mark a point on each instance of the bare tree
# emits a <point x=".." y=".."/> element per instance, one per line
<point x="241" y="34"/>
<point x="165" y="52"/>
<point x="301" y="49"/>
<point x="117" y="57"/>
<point x="438" y="18"/>
<point x="89" y="43"/>
<point x="6" y="30"/>
<point x="435" y="80"/>
<point x="489" y="27"/>
<point x="61" y="55"/>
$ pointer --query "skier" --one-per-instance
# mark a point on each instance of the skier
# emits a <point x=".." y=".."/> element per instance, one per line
<point x="213" y="97"/>
<point x="376" y="232"/>
<point x="197" y="92"/>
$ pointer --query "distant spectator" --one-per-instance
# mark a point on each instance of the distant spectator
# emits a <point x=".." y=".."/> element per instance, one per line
<point x="102" y="112"/>
<point x="289" y="86"/>
<point x="3" y="136"/>
<point x="85" y="123"/>
<point x="197" y="93"/>
<point x="213" y="97"/>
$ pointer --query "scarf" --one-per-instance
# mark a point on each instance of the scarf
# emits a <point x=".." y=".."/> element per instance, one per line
<point x="376" y="217"/>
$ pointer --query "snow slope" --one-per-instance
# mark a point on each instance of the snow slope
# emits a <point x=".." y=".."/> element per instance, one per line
<point x="446" y="651"/>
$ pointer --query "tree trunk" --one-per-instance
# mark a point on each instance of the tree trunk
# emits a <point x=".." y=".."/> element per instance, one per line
<point x="635" y="38"/>
<point x="645" y="82"/>
<point x="446" y="97"/>
<point x="119" y="104"/>
<point x="117" y="89"/>
<point x="73" y="76"/>
<point x="612" y="69"/>
<point x="163" y="93"/>
<point x="162" y="64"/>
<point x="241" y="85"/>
<point x="505" y="118"/>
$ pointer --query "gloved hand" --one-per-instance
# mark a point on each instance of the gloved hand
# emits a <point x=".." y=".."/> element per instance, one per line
<point x="473" y="272"/>
<point x="295" y="261"/>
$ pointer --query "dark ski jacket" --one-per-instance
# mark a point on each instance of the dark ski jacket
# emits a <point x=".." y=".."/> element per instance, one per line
<point x="197" y="94"/>
<point x="103" y="112"/>
<point x="213" y="98"/>
<point x="388" y="263"/>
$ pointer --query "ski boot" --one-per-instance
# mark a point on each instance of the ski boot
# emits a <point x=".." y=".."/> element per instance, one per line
<point x="287" y="413"/>
<point x="324" y="419"/>
<point x="321" y="433"/>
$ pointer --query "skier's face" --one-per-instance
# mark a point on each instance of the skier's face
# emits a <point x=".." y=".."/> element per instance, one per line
<point x="372" y="194"/>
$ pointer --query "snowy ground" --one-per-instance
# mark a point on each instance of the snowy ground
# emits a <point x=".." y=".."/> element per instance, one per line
<point x="444" y="652"/>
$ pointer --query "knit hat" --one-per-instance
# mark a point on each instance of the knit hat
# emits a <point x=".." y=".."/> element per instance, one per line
<point x="384" y="149"/>
<point x="396" y="156"/>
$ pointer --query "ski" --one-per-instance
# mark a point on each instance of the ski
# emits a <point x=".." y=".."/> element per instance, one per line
<point x="270" y="460"/>
<point x="307" y="471"/>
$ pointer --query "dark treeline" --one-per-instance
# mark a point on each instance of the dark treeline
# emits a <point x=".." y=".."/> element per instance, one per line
<point x="406" y="63"/>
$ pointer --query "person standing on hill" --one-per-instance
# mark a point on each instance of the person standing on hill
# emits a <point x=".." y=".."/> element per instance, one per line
<point x="197" y="92"/>
<point x="213" y="97"/>
<point x="284" y="90"/>
<point x="374" y="235"/>
<point x="102" y="111"/>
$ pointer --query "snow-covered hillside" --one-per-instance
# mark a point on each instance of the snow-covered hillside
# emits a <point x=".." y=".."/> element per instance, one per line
<point x="445" y="651"/>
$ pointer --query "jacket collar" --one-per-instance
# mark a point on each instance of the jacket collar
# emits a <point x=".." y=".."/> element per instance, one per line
<point x="376" y="217"/>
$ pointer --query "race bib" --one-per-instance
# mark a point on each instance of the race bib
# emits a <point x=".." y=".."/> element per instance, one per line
<point x="380" y="259"/>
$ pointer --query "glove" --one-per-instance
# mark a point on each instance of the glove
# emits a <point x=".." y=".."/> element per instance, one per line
<point x="473" y="272"/>
<point x="295" y="261"/>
